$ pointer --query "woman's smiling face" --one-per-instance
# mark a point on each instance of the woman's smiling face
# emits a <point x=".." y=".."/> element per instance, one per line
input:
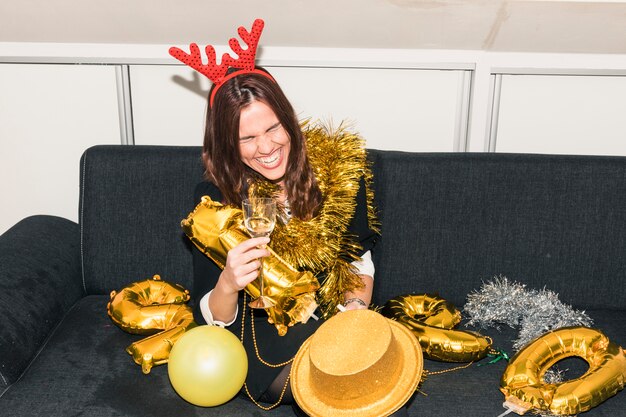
<point x="263" y="142"/>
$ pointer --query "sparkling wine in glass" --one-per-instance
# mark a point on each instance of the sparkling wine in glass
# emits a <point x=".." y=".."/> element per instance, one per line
<point x="259" y="216"/>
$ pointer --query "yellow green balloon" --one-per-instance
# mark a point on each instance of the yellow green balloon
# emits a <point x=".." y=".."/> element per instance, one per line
<point x="207" y="366"/>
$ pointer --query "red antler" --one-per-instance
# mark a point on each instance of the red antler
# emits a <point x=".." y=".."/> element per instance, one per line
<point x="217" y="73"/>
<point x="212" y="71"/>
<point x="246" y="57"/>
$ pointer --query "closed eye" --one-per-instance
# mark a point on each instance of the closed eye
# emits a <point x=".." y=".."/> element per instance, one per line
<point x="273" y="127"/>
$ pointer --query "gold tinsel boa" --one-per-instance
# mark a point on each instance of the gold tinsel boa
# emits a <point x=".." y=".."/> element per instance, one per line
<point x="323" y="245"/>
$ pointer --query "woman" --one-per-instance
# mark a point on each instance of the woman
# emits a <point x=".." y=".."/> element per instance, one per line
<point x="253" y="136"/>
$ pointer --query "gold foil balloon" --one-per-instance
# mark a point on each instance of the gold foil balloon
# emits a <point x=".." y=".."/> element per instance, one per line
<point x="149" y="306"/>
<point x="215" y="229"/>
<point x="432" y="320"/>
<point x="207" y="366"/>
<point x="523" y="385"/>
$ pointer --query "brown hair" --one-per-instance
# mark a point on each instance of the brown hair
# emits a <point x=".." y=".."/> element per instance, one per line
<point x="221" y="155"/>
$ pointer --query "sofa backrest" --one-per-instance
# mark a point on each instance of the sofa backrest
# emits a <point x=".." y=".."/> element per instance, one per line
<point x="449" y="221"/>
<point x="132" y="199"/>
<point x="452" y="221"/>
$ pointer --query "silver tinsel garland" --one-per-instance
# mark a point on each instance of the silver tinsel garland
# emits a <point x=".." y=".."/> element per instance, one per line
<point x="535" y="312"/>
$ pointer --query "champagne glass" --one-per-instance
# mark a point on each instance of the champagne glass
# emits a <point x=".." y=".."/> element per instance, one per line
<point x="259" y="216"/>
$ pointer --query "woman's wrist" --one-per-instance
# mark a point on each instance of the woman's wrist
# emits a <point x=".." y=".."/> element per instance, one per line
<point x="222" y="303"/>
<point x="224" y="287"/>
<point x="356" y="300"/>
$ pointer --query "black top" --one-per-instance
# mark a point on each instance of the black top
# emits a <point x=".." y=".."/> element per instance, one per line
<point x="272" y="347"/>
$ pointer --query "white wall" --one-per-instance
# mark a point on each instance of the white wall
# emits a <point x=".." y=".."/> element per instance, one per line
<point x="164" y="111"/>
<point x="49" y="114"/>
<point x="411" y="100"/>
<point x="409" y="109"/>
<point x="559" y="114"/>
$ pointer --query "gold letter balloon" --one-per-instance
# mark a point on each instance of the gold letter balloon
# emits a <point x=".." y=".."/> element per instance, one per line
<point x="432" y="320"/>
<point x="149" y="306"/>
<point x="207" y="366"/>
<point x="523" y="385"/>
<point x="215" y="229"/>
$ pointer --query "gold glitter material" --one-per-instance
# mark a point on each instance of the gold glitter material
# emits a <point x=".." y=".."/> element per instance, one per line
<point x="322" y="244"/>
<point x="356" y="363"/>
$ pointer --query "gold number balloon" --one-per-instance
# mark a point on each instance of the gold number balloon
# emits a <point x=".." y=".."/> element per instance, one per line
<point x="522" y="382"/>
<point x="432" y="320"/>
<point x="149" y="306"/>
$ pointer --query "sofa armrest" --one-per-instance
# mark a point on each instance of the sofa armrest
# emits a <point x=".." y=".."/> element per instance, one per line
<point x="40" y="279"/>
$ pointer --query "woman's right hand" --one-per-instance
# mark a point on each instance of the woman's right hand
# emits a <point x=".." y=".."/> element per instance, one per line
<point x="242" y="264"/>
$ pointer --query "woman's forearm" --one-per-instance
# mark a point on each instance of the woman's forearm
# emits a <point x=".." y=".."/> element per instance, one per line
<point x="223" y="303"/>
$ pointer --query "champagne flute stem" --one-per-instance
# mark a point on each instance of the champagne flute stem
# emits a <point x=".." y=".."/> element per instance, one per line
<point x="261" y="279"/>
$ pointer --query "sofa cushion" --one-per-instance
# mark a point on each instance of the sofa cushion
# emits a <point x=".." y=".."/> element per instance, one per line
<point x="84" y="370"/>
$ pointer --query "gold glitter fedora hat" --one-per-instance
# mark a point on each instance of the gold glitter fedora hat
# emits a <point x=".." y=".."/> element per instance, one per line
<point x="358" y="363"/>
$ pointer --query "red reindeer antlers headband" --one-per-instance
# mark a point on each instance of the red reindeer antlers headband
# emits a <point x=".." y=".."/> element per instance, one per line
<point x="218" y="73"/>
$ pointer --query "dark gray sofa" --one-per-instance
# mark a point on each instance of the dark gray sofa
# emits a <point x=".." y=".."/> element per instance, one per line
<point x="449" y="222"/>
